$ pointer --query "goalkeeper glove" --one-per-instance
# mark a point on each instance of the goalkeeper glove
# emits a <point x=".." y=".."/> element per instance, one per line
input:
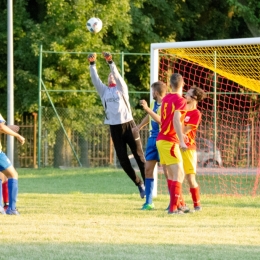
<point x="92" y="58"/>
<point x="108" y="57"/>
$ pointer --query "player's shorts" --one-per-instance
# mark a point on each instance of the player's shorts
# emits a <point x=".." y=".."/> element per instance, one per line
<point x="189" y="161"/>
<point x="169" y="152"/>
<point x="151" y="153"/>
<point x="4" y="162"/>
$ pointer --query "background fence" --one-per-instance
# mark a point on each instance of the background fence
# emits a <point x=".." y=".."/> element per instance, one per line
<point x="94" y="148"/>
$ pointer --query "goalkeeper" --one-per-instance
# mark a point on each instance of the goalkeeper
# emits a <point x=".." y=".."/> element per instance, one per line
<point x="118" y="116"/>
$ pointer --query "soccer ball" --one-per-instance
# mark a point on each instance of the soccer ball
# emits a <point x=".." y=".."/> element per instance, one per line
<point x="94" y="25"/>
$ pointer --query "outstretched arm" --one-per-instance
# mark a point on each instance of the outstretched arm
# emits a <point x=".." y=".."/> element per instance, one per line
<point x="99" y="85"/>
<point x="6" y="130"/>
<point x="118" y="78"/>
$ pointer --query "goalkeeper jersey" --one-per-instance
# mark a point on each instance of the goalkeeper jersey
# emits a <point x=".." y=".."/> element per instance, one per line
<point x="1" y="121"/>
<point x="171" y="103"/>
<point x="192" y="118"/>
<point x="115" y="100"/>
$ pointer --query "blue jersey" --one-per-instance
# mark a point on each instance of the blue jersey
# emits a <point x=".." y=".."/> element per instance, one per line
<point x="154" y="126"/>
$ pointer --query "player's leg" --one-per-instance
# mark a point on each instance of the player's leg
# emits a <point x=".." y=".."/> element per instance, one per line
<point x="12" y="176"/>
<point x="134" y="141"/>
<point x="2" y="211"/>
<point x="170" y="153"/>
<point x="152" y="157"/>
<point x="8" y="170"/>
<point x="190" y="168"/>
<point x="121" y="152"/>
<point x="5" y="192"/>
<point x="176" y="178"/>
<point x="149" y="184"/>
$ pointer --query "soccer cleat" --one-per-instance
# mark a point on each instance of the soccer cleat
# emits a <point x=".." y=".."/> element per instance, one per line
<point x="168" y="207"/>
<point x="2" y="210"/>
<point x="184" y="209"/>
<point x="6" y="206"/>
<point x="12" y="212"/>
<point x="147" y="206"/>
<point x="176" y="212"/>
<point x="198" y="208"/>
<point x="141" y="189"/>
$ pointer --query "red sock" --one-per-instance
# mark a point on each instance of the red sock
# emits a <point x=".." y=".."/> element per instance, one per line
<point x="181" y="200"/>
<point x="175" y="195"/>
<point x="195" y="194"/>
<point x="5" y="192"/>
<point x="169" y="182"/>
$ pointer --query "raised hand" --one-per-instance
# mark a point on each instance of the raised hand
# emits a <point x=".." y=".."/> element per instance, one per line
<point x="92" y="57"/>
<point x="107" y="56"/>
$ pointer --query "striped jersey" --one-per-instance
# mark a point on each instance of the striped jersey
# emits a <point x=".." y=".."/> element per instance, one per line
<point x="171" y="103"/>
<point x="192" y="118"/>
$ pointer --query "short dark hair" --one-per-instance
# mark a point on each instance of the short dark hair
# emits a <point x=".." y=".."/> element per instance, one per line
<point x="198" y="93"/>
<point x="176" y="80"/>
<point x="160" y="87"/>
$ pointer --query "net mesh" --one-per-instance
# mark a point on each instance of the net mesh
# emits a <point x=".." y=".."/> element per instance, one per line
<point x="228" y="136"/>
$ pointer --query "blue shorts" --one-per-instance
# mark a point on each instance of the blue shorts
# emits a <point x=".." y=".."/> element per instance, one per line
<point x="4" y="162"/>
<point x="151" y="153"/>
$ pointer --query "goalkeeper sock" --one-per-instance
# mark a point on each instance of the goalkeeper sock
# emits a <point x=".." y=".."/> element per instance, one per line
<point x="13" y="191"/>
<point x="195" y="194"/>
<point x="5" y="192"/>
<point x="149" y="184"/>
<point x="175" y="195"/>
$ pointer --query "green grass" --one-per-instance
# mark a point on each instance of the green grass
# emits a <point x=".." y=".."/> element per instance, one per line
<point x="95" y="214"/>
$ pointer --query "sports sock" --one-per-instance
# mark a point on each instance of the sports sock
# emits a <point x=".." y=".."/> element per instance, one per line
<point x="1" y="205"/>
<point x="181" y="200"/>
<point x="175" y="195"/>
<point x="13" y="191"/>
<point x="195" y="194"/>
<point x="5" y="193"/>
<point x="149" y="184"/>
<point x="169" y="183"/>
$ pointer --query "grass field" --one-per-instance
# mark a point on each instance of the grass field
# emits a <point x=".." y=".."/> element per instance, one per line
<point x="95" y="214"/>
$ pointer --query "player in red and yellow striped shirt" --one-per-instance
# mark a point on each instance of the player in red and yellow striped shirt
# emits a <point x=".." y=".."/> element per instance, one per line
<point x="191" y="123"/>
<point x="170" y="139"/>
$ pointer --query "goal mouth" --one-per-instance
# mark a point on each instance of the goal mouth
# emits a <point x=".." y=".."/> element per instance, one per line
<point x="228" y="71"/>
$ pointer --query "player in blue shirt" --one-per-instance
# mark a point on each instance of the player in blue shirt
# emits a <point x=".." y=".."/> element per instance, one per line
<point x="159" y="90"/>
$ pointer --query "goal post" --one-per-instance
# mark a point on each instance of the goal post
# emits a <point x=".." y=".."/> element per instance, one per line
<point x="228" y="71"/>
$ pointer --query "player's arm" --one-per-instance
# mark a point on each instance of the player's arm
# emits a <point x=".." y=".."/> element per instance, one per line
<point x="99" y="85"/>
<point x="118" y="78"/>
<point x="178" y="128"/>
<point x="6" y="130"/>
<point x="154" y="116"/>
<point x="143" y="123"/>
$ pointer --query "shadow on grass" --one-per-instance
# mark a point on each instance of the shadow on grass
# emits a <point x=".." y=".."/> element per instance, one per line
<point x="56" y="251"/>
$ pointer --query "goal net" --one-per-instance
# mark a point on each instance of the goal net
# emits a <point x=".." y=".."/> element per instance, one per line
<point x="228" y="136"/>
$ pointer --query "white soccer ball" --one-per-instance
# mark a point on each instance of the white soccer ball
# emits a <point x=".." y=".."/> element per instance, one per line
<point x="94" y="25"/>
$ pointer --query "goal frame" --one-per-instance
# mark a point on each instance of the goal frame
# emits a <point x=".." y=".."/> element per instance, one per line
<point x="154" y="64"/>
